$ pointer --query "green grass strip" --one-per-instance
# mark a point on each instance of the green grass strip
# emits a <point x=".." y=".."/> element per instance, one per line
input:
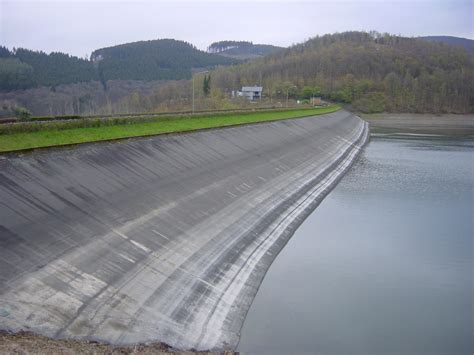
<point x="51" y="138"/>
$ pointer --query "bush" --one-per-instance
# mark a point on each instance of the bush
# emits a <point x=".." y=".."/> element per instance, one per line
<point x="22" y="113"/>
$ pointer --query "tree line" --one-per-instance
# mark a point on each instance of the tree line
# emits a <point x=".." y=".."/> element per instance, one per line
<point x="241" y="49"/>
<point x="221" y="46"/>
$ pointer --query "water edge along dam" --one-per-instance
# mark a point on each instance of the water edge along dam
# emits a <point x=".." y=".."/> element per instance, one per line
<point x="164" y="238"/>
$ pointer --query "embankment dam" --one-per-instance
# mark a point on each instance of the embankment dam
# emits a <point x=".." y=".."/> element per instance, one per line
<point x="164" y="238"/>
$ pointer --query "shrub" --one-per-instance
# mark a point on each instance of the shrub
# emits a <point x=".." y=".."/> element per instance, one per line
<point x="22" y="113"/>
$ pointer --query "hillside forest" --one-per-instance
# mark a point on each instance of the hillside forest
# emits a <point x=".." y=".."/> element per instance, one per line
<point x="372" y="72"/>
<point x="368" y="72"/>
<point x="164" y="59"/>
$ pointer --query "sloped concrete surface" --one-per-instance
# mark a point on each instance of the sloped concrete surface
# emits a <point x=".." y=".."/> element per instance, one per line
<point x="160" y="239"/>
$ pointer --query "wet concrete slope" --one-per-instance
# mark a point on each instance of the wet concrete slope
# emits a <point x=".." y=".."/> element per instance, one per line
<point x="164" y="238"/>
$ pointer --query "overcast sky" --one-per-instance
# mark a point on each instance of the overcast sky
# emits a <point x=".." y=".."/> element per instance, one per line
<point x="79" y="27"/>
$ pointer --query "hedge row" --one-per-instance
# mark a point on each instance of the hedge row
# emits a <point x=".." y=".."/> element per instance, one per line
<point x="11" y="128"/>
<point x="55" y="118"/>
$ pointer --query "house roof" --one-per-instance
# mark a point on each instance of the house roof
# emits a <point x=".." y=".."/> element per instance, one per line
<point x="252" y="88"/>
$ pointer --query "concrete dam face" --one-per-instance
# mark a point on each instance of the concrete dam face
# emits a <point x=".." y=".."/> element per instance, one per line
<point x="160" y="239"/>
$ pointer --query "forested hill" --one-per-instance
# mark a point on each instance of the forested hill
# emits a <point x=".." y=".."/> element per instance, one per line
<point x="23" y="68"/>
<point x="164" y="59"/>
<point x="154" y="60"/>
<point x="468" y="44"/>
<point x="371" y="71"/>
<point x="242" y="49"/>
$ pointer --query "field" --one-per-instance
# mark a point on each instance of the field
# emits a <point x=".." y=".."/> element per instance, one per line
<point x="49" y="136"/>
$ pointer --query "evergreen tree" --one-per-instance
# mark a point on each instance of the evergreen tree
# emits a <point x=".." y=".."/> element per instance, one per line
<point x="206" y="85"/>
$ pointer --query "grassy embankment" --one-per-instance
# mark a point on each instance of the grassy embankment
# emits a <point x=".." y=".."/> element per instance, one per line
<point x="49" y="136"/>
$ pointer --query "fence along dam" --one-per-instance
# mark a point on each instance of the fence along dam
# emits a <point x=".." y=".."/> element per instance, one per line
<point x="164" y="238"/>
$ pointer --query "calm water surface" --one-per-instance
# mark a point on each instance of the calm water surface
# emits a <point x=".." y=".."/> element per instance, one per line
<point x="384" y="264"/>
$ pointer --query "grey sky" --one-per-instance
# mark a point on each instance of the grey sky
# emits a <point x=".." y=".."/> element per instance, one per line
<point x="79" y="27"/>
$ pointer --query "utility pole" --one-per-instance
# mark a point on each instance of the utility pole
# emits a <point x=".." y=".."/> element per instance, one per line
<point x="201" y="72"/>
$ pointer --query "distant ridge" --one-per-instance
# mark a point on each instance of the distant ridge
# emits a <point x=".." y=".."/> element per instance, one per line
<point x="161" y="59"/>
<point x="242" y="49"/>
<point x="468" y="44"/>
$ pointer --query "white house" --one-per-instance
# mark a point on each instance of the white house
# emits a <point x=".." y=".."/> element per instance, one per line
<point x="251" y="92"/>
